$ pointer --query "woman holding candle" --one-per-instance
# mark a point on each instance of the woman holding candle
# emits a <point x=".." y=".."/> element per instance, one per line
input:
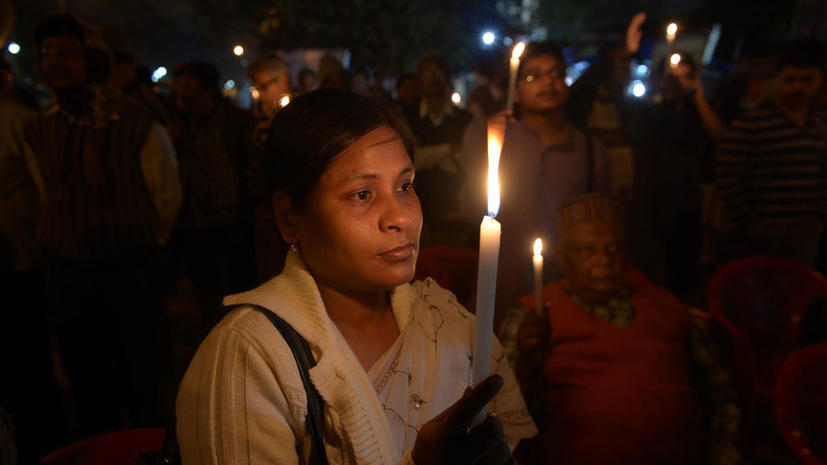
<point x="392" y="357"/>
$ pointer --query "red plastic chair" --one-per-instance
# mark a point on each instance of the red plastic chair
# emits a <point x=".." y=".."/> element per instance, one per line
<point x="454" y="268"/>
<point x="760" y="302"/>
<point x="801" y="403"/>
<point x="116" y="448"/>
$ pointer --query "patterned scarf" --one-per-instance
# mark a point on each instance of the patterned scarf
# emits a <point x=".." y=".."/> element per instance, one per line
<point x="618" y="310"/>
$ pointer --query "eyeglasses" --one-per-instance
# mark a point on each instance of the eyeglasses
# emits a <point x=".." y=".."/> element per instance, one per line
<point x="61" y="52"/>
<point x="556" y="74"/>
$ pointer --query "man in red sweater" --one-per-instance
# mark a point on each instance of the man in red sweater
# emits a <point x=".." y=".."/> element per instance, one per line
<point x="627" y="374"/>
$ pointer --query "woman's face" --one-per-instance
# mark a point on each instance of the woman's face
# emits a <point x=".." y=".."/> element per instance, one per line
<point x="359" y="231"/>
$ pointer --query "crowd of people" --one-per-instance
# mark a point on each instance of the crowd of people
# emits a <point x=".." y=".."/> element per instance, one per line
<point x="115" y="193"/>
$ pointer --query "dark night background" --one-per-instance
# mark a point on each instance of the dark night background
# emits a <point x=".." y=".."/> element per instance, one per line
<point x="390" y="36"/>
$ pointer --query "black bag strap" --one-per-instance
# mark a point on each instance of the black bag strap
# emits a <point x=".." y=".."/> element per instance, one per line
<point x="171" y="455"/>
<point x="305" y="361"/>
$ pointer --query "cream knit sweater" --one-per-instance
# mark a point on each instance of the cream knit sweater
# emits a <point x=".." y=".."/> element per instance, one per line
<point x="242" y="400"/>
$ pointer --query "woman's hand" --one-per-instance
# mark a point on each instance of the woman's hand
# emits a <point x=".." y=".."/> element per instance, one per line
<point x="449" y="438"/>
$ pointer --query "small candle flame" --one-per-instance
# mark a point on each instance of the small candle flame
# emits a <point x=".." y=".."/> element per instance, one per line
<point x="675" y="59"/>
<point x="495" y="146"/>
<point x="284" y="101"/>
<point x="538" y="247"/>
<point x="517" y="51"/>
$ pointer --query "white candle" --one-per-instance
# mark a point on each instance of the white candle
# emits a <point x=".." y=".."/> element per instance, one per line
<point x="538" y="276"/>
<point x="512" y="76"/>
<point x="487" y="270"/>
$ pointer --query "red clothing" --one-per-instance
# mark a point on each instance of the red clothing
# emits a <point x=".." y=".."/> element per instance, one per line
<point x="620" y="395"/>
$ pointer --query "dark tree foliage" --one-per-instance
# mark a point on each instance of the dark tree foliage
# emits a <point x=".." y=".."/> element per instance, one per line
<point x="380" y="34"/>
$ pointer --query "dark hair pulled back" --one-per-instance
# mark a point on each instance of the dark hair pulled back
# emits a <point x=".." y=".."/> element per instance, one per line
<point x="313" y="129"/>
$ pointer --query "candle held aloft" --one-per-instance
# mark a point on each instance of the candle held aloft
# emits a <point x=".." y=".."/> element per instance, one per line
<point x="674" y="60"/>
<point x="514" y="66"/>
<point x="671" y="32"/>
<point x="489" y="253"/>
<point x="537" y="259"/>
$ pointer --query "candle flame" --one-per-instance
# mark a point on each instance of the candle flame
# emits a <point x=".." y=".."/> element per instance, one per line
<point x="517" y="51"/>
<point x="675" y="59"/>
<point x="284" y="101"/>
<point x="671" y="29"/>
<point x="495" y="146"/>
<point x="538" y="247"/>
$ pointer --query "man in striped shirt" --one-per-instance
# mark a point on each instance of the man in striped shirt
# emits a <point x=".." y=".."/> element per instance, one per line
<point x="770" y="165"/>
<point x="106" y="178"/>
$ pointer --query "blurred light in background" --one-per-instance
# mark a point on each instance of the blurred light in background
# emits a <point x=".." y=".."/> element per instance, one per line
<point x="488" y="38"/>
<point x="229" y="84"/>
<point x="14" y="48"/>
<point x="284" y="101"/>
<point x="238" y="50"/>
<point x="637" y="89"/>
<point x="576" y="70"/>
<point x="159" y="73"/>
<point x="675" y="59"/>
<point x="456" y="98"/>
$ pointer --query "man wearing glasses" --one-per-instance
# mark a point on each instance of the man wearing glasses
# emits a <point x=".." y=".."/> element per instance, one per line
<point x="106" y="178"/>
<point x="545" y="162"/>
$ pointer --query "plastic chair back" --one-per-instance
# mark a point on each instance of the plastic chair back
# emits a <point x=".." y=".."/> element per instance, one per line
<point x="765" y="298"/>
<point x="801" y="403"/>
<point x="760" y="303"/>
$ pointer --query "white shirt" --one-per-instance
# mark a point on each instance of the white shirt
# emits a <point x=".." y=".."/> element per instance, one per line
<point x="242" y="401"/>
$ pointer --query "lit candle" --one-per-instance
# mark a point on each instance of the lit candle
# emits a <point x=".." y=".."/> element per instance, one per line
<point x="487" y="270"/>
<point x="512" y="76"/>
<point x="671" y="33"/>
<point x="674" y="60"/>
<point x="284" y="101"/>
<point x="538" y="276"/>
